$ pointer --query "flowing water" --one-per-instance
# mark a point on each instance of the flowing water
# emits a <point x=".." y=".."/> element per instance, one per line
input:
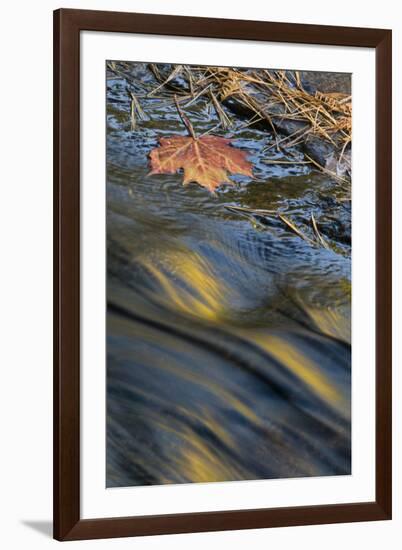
<point x="228" y="336"/>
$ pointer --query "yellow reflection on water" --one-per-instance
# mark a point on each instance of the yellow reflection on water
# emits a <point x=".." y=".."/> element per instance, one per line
<point x="296" y="361"/>
<point x="191" y="287"/>
<point x="331" y="322"/>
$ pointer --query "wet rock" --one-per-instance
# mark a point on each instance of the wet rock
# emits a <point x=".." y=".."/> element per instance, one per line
<point x="321" y="151"/>
<point x="326" y="82"/>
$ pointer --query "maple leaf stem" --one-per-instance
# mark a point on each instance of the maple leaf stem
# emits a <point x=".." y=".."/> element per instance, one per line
<point x="185" y="120"/>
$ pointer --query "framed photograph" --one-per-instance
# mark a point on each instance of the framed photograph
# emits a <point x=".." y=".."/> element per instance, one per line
<point x="222" y="274"/>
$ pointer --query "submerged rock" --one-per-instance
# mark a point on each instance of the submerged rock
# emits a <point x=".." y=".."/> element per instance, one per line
<point x="313" y="81"/>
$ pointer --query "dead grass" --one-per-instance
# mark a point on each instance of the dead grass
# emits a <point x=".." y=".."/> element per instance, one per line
<point x="269" y="95"/>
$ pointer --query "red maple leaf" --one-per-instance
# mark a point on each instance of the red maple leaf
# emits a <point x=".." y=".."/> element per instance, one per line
<point x="206" y="160"/>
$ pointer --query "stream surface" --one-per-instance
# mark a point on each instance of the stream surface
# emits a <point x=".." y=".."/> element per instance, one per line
<point x="228" y="336"/>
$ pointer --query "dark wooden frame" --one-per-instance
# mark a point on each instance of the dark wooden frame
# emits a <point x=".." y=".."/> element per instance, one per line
<point x="67" y="27"/>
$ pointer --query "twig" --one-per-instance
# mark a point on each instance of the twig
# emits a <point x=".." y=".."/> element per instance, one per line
<point x="295" y="230"/>
<point x="200" y="93"/>
<point x="317" y="233"/>
<point x="247" y="213"/>
<point x="284" y="139"/>
<point x="210" y="130"/>
<point x="326" y="171"/>
<point x="286" y="161"/>
<point x="244" y="211"/>
<point x="135" y="107"/>
<point x="257" y="211"/>
<point x="223" y="117"/>
<point x="177" y="70"/>
<point x="185" y="120"/>
<point x="253" y="120"/>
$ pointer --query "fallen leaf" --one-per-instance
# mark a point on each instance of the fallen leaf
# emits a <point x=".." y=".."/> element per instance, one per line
<point x="206" y="160"/>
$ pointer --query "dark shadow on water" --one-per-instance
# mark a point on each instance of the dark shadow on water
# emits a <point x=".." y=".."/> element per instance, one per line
<point x="41" y="526"/>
